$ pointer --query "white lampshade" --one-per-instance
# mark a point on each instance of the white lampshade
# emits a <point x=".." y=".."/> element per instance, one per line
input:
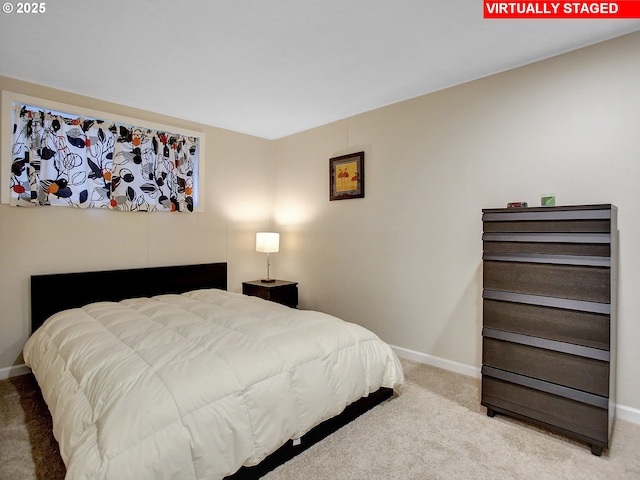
<point x="267" y="242"/>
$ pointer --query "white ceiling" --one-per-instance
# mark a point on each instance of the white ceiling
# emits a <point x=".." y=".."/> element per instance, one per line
<point x="271" y="68"/>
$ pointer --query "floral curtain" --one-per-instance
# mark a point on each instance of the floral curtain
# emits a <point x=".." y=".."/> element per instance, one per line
<point x="89" y="163"/>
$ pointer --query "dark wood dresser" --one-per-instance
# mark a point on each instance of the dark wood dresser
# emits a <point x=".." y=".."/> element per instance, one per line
<point x="549" y="318"/>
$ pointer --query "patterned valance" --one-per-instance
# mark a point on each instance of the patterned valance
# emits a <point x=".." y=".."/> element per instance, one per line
<point x="59" y="159"/>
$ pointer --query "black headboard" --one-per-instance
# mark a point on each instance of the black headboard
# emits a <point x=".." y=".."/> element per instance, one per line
<point x="57" y="292"/>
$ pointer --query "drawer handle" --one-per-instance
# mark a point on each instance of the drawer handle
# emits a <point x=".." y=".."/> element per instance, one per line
<point x="602" y="214"/>
<point x="586" y="261"/>
<point x="547" y="237"/>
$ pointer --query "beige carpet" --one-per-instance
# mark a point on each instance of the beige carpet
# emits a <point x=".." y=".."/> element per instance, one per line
<point x="27" y="447"/>
<point x="436" y="429"/>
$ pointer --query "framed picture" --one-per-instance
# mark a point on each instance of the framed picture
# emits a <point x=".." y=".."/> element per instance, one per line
<point x="346" y="174"/>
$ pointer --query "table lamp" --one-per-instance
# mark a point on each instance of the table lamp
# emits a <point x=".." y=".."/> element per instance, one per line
<point x="267" y="242"/>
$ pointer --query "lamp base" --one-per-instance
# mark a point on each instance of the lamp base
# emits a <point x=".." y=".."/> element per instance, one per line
<point x="267" y="280"/>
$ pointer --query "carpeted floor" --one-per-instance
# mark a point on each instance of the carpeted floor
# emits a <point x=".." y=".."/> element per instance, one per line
<point x="436" y="429"/>
<point x="27" y="447"/>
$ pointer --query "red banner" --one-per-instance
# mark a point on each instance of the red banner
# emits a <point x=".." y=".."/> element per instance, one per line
<point x="562" y="9"/>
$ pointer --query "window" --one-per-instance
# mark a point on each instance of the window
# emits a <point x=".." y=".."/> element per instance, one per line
<point x="63" y="155"/>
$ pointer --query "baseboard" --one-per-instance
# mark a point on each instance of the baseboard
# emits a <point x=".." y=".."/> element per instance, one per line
<point x="623" y="412"/>
<point x="14" y="371"/>
<point x="629" y="414"/>
<point x="436" y="361"/>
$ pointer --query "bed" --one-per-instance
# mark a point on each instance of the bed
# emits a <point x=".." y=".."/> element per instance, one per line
<point x="160" y="373"/>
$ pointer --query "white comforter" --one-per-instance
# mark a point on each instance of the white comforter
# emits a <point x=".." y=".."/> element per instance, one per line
<point x="196" y="385"/>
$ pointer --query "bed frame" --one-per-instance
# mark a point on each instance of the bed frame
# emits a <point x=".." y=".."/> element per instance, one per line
<point x="57" y="292"/>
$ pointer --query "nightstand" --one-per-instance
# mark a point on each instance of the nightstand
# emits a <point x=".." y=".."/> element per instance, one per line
<point x="279" y="291"/>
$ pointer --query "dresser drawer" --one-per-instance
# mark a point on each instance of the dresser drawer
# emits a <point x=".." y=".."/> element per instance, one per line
<point x="582" y="328"/>
<point x="588" y="421"/>
<point x="564" y="281"/>
<point x="550" y="226"/>
<point x="586" y="374"/>
<point x="541" y="248"/>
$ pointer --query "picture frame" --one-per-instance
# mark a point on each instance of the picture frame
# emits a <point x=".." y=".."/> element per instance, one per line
<point x="346" y="176"/>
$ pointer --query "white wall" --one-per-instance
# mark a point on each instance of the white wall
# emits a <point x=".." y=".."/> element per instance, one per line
<point x="405" y="261"/>
<point x="53" y="240"/>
